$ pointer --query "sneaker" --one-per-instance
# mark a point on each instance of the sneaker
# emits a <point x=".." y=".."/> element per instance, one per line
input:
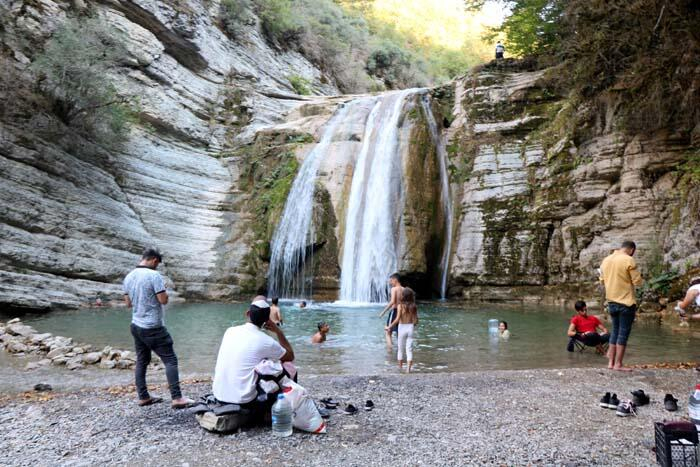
<point x="330" y="403"/>
<point x="323" y="412"/>
<point x="670" y="403"/>
<point x="626" y="408"/>
<point x="369" y="405"/>
<point x="639" y="398"/>
<point x="614" y="402"/>
<point x="605" y="401"/>
<point x="349" y="410"/>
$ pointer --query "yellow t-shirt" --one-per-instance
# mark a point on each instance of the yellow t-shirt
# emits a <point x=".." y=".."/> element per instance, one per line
<point x="619" y="275"/>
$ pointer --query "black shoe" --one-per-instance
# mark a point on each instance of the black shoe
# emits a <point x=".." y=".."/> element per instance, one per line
<point x="605" y="401"/>
<point x="369" y="405"/>
<point x="626" y="408"/>
<point x="323" y="412"/>
<point x="329" y="403"/>
<point x="639" y="398"/>
<point x="571" y="345"/>
<point x="349" y="410"/>
<point x="670" y="403"/>
<point x="614" y="402"/>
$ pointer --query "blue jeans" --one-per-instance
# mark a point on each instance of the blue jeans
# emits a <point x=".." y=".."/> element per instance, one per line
<point x="622" y="317"/>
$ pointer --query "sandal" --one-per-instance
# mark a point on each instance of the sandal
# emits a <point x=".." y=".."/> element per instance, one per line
<point x="182" y="405"/>
<point x="149" y="401"/>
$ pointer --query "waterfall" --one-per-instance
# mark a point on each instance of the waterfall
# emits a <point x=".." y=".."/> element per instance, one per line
<point x="445" y="195"/>
<point x="294" y="233"/>
<point x="375" y="206"/>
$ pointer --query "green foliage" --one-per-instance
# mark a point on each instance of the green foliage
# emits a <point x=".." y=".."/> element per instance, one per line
<point x="300" y="84"/>
<point x="659" y="276"/>
<point x="392" y="64"/>
<point x="75" y="68"/>
<point x="235" y="15"/>
<point x="532" y="28"/>
<point x="281" y="21"/>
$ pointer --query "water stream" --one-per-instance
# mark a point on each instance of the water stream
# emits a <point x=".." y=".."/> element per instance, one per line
<point x="445" y="195"/>
<point x="375" y="206"/>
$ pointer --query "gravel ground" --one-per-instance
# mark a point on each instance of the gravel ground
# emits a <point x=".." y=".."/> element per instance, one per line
<point x="542" y="417"/>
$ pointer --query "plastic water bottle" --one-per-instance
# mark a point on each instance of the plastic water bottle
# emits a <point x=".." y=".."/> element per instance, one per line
<point x="493" y="326"/>
<point x="282" y="417"/>
<point x="694" y="407"/>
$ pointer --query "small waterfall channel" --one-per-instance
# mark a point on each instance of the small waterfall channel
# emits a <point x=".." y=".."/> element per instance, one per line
<point x="287" y="272"/>
<point x="370" y="246"/>
<point x="445" y="194"/>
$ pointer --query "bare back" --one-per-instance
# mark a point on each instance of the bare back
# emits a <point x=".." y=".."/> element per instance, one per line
<point x="408" y="314"/>
<point x="396" y="296"/>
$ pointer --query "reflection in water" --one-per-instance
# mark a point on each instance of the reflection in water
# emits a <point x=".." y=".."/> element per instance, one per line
<point x="448" y="337"/>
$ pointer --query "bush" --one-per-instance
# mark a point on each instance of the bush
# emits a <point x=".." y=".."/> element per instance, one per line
<point x="281" y="23"/>
<point x="236" y="15"/>
<point x="300" y="84"/>
<point x="395" y="66"/>
<point x="75" y="69"/>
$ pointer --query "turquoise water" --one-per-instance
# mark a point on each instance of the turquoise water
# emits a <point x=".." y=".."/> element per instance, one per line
<point x="449" y="338"/>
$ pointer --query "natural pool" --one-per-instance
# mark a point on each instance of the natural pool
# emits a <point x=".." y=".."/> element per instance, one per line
<point x="450" y="337"/>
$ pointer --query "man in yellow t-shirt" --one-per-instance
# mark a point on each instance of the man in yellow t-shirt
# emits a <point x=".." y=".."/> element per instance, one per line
<point x="619" y="276"/>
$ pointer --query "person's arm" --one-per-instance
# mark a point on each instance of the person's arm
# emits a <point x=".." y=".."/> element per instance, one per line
<point x="690" y="296"/>
<point x="635" y="276"/>
<point x="572" y="330"/>
<point x="602" y="328"/>
<point x="391" y="304"/>
<point x="399" y="312"/>
<point x="289" y="352"/>
<point x="159" y="289"/>
<point x="127" y="300"/>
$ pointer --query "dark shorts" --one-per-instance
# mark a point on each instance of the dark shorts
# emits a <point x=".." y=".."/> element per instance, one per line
<point x="499" y="54"/>
<point x="392" y="317"/>
<point x="622" y="317"/>
<point x="593" y="339"/>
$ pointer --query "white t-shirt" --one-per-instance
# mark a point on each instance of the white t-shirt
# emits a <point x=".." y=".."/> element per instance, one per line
<point x="697" y="297"/>
<point x="241" y="349"/>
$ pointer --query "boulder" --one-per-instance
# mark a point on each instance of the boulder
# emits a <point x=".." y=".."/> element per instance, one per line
<point x="128" y="355"/>
<point x="59" y="351"/>
<point x="107" y="364"/>
<point x="92" y="357"/>
<point x="78" y="350"/>
<point x="75" y="363"/>
<point x="19" y="329"/>
<point x="60" y="360"/>
<point x="125" y="364"/>
<point x="13" y="321"/>
<point x="16" y="347"/>
<point x="40" y="338"/>
<point x="60" y="341"/>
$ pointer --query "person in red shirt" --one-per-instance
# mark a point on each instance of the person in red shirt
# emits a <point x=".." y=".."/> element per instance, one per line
<point x="587" y="329"/>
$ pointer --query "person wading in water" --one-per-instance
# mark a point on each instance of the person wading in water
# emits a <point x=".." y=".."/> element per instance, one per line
<point x="395" y="299"/>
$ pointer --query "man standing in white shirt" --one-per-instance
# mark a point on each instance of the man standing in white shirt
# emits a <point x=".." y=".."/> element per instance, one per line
<point x="242" y="348"/>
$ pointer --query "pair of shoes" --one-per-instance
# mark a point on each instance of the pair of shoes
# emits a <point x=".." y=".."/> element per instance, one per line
<point x="330" y="403"/>
<point x="639" y="398"/>
<point x="609" y="402"/>
<point x="670" y="403"/>
<point x="626" y="408"/>
<point x="352" y="410"/>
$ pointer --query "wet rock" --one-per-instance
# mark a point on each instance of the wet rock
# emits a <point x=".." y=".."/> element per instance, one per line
<point x="92" y="357"/>
<point x="40" y="338"/>
<point x="78" y="350"/>
<point x="41" y="387"/>
<point x="16" y="347"/>
<point x="57" y="351"/>
<point x="125" y="364"/>
<point x="19" y="329"/>
<point x="107" y="364"/>
<point x="75" y="363"/>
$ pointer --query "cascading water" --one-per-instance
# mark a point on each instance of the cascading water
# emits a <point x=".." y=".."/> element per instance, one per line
<point x="445" y="195"/>
<point x="287" y="275"/>
<point x="375" y="206"/>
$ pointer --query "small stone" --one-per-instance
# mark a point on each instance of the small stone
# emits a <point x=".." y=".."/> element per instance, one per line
<point x="39" y="338"/>
<point x="107" y="364"/>
<point x="19" y="329"/>
<point x="43" y="387"/>
<point x="57" y="352"/>
<point x="74" y="364"/>
<point x="351" y="427"/>
<point x="16" y="347"/>
<point x="92" y="357"/>
<point x="128" y="355"/>
<point x="31" y="366"/>
<point x="60" y="360"/>
<point x="106" y="351"/>
<point x="78" y="350"/>
<point x="125" y="364"/>
<point x="13" y="321"/>
<point x="44" y="362"/>
<point x="391" y="438"/>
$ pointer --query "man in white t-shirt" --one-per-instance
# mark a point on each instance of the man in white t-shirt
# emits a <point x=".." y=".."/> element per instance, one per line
<point x="692" y="297"/>
<point x="242" y="348"/>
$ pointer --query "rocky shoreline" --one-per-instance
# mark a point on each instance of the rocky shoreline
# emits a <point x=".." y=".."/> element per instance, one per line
<point x="22" y="340"/>
<point x="523" y="417"/>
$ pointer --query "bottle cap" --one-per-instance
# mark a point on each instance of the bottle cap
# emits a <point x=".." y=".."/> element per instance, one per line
<point x="281" y="396"/>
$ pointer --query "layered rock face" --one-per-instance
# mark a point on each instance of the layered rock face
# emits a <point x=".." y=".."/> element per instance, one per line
<point x="74" y="216"/>
<point x="539" y="208"/>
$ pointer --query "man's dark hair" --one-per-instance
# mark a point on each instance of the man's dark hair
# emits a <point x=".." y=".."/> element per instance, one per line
<point x="396" y="276"/>
<point x="321" y="324"/>
<point x="151" y="253"/>
<point x="580" y="305"/>
<point x="629" y="244"/>
<point x="258" y="316"/>
<point x="275" y="301"/>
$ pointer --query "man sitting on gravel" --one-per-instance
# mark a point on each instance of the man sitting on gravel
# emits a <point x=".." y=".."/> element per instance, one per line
<point x="242" y="348"/>
<point x="144" y="292"/>
<point x="585" y="327"/>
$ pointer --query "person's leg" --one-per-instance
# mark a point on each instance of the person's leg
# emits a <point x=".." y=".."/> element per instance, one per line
<point x="162" y="345"/>
<point x="615" y="318"/>
<point x="392" y="315"/>
<point x="401" y="344"/>
<point x="409" y="347"/>
<point x="143" y="358"/>
<point x="626" y="320"/>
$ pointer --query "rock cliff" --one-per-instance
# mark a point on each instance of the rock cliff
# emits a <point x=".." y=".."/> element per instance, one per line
<point x="74" y="216"/>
